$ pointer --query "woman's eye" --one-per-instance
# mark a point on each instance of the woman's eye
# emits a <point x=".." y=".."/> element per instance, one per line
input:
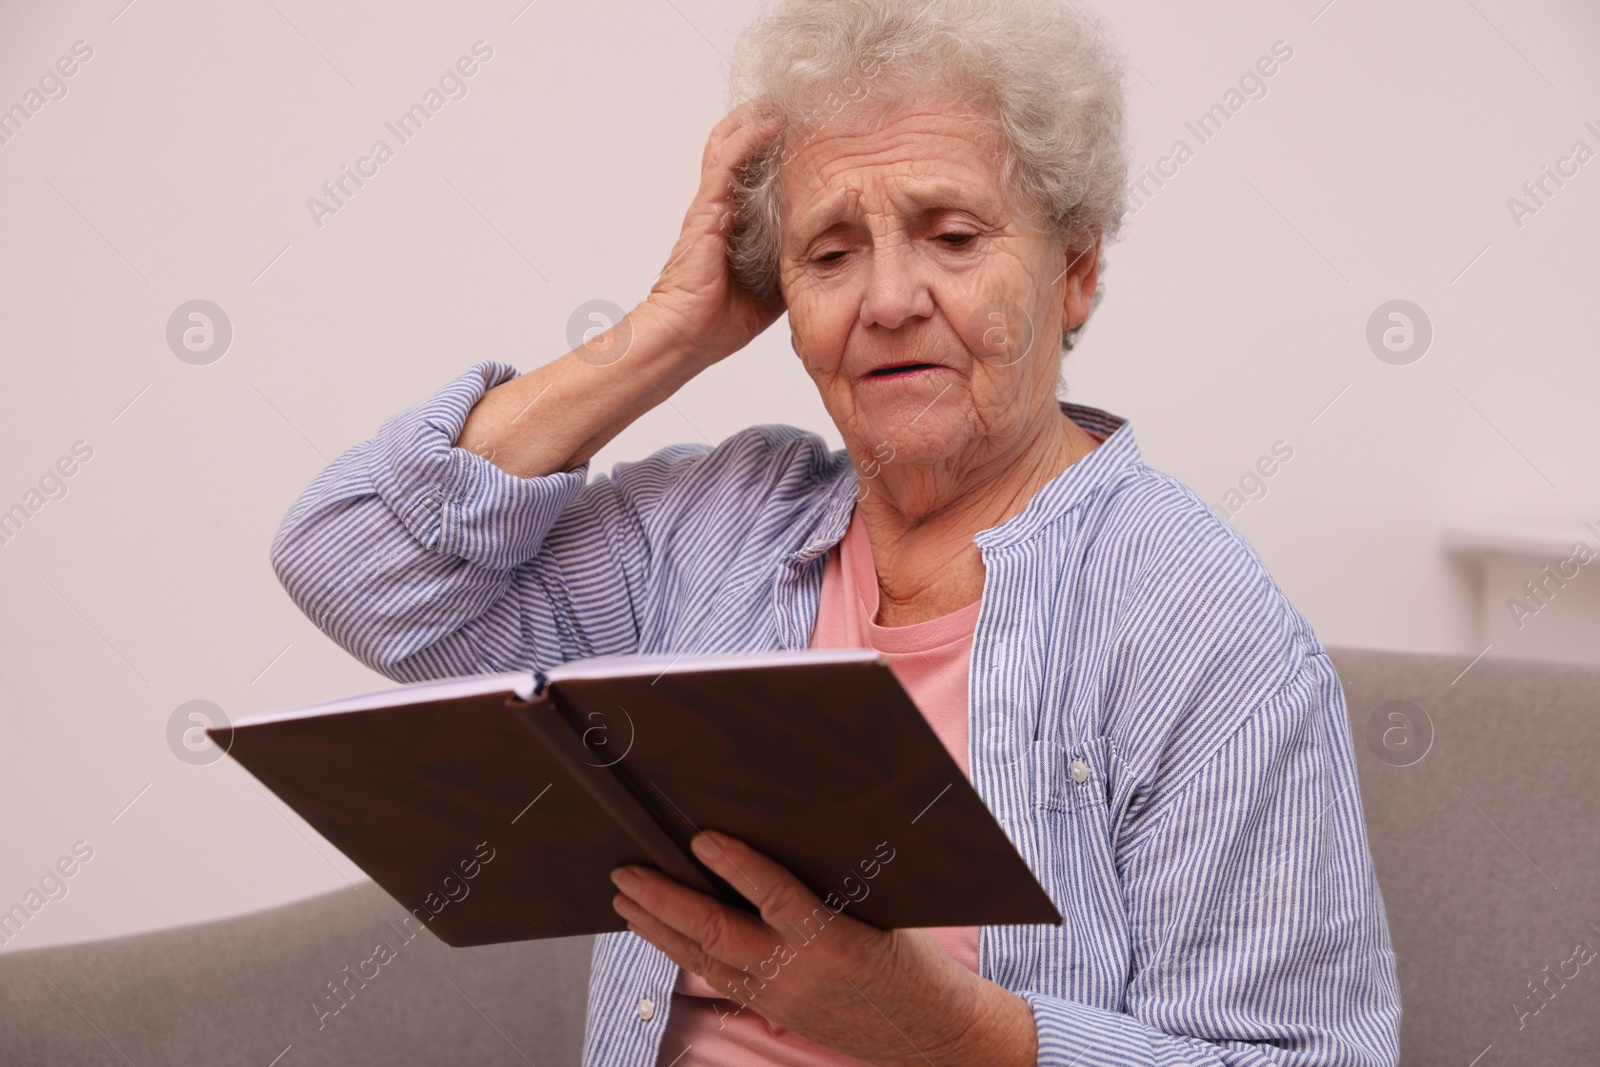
<point x="956" y="240"/>
<point x="828" y="257"/>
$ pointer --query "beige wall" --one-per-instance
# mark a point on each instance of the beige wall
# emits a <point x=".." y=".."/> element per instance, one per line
<point x="178" y="164"/>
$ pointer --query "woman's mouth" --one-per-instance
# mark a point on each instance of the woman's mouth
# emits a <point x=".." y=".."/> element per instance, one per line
<point x="902" y="370"/>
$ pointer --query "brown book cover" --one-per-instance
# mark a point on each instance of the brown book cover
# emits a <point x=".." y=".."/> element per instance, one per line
<point x="494" y="808"/>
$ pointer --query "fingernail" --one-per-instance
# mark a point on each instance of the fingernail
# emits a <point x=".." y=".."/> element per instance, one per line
<point x="705" y="847"/>
<point x="625" y="880"/>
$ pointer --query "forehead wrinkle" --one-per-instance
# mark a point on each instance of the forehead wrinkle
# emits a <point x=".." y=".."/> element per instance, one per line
<point x="852" y="157"/>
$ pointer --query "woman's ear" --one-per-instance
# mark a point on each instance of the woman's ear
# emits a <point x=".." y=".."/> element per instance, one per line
<point x="1082" y="272"/>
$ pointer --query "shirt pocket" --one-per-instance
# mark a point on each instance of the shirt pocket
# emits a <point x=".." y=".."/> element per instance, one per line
<point x="1086" y="958"/>
<point x="1071" y="778"/>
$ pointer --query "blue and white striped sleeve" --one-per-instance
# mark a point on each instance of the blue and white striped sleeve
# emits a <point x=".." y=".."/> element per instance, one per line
<point x="424" y="560"/>
<point x="1257" y="925"/>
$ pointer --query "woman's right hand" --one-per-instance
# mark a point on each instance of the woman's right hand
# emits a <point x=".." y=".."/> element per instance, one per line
<point x="558" y="416"/>
<point x="696" y="297"/>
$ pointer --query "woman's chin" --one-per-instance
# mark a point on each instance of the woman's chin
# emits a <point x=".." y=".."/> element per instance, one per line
<point x="899" y="433"/>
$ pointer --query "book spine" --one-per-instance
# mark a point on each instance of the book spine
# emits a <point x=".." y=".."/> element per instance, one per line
<point x="548" y="721"/>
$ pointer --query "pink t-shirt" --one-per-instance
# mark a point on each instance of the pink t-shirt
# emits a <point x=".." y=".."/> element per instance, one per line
<point x="931" y="660"/>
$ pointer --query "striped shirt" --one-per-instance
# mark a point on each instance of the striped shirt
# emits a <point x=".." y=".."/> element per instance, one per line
<point x="1153" y="724"/>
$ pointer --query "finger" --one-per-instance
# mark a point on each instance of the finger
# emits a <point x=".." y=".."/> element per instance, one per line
<point x="726" y="156"/>
<point x="725" y="125"/>
<point x="734" y="140"/>
<point x="679" y="948"/>
<point x="741" y="116"/>
<point x="725" y="932"/>
<point x="747" y="139"/>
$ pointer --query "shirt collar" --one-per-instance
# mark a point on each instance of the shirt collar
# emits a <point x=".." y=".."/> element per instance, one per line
<point x="1078" y="483"/>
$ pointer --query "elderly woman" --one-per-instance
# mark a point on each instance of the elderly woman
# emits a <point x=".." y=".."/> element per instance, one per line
<point x="925" y="186"/>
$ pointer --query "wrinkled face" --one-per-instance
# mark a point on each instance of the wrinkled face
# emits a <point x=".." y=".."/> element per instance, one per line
<point x="922" y="304"/>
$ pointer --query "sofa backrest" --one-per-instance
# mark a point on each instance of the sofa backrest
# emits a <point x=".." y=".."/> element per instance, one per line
<point x="1481" y="787"/>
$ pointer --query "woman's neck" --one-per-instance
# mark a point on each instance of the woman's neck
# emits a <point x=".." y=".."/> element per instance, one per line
<point x="921" y="518"/>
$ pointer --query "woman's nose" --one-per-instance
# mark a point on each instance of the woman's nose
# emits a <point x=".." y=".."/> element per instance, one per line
<point x="898" y="287"/>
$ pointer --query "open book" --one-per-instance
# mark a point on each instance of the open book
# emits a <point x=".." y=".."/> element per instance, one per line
<point x="494" y="807"/>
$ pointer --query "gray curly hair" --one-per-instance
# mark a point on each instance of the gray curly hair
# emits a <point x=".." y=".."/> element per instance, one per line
<point x="1041" y="74"/>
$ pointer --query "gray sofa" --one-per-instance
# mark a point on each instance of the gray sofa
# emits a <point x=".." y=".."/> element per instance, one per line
<point x="1487" y="847"/>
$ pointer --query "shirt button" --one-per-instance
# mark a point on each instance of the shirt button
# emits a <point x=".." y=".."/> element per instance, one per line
<point x="1080" y="771"/>
<point x="647" y="1009"/>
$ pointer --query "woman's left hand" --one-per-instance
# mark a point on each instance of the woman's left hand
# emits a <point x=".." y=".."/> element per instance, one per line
<point x="884" y="996"/>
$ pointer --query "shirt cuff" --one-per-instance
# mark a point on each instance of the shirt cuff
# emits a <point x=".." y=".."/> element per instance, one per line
<point x="454" y="501"/>
<point x="1081" y="1035"/>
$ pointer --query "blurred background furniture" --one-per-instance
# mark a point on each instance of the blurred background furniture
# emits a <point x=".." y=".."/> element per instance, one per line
<point x="1483" y="806"/>
<point x="1537" y="597"/>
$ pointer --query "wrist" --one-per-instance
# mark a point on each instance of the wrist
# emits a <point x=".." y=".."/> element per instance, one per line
<point x="1000" y="1031"/>
<point x="665" y="338"/>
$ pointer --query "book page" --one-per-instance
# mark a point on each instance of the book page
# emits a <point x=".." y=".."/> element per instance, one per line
<point x="526" y="684"/>
<point x="521" y="683"/>
<point x="632" y="666"/>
